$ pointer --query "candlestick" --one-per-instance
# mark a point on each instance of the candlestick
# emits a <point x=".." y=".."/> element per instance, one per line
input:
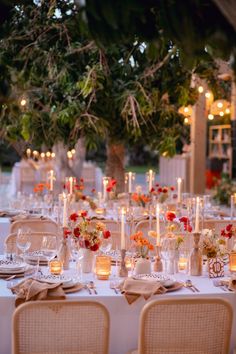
<point x="71" y="185"/>
<point x="157" y="266"/>
<point x="232" y="205"/>
<point x="105" y="182"/>
<point x="150" y="180"/>
<point x="28" y="153"/>
<point x="197" y="215"/>
<point x="64" y="220"/>
<point x="122" y="228"/>
<point x="179" y="190"/>
<point x="158" y="224"/>
<point x="51" y="179"/>
<point x="130" y="182"/>
<point x="196" y="256"/>
<point x="123" y="271"/>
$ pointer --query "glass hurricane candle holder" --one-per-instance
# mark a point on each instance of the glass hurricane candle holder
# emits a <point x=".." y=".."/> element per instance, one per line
<point x="55" y="267"/>
<point x="232" y="262"/>
<point x="103" y="267"/>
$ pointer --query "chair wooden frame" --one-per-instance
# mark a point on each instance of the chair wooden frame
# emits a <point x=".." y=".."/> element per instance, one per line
<point x="226" y="328"/>
<point x="21" y="325"/>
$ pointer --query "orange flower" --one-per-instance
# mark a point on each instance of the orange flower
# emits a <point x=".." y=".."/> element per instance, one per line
<point x="150" y="247"/>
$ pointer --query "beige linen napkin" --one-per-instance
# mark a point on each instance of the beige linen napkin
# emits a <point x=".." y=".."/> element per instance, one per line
<point x="31" y="289"/>
<point x="133" y="289"/>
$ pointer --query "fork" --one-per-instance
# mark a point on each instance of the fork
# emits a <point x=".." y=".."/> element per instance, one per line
<point x="190" y="284"/>
<point x="88" y="288"/>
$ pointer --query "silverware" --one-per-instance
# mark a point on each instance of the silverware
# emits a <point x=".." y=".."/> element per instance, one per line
<point x="190" y="284"/>
<point x="219" y="284"/>
<point x="114" y="286"/>
<point x="187" y="286"/>
<point x="88" y="288"/>
<point x="93" y="287"/>
<point x="11" y="277"/>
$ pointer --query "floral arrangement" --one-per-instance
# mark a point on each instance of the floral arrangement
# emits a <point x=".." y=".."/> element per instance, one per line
<point x="39" y="188"/>
<point x="212" y="245"/>
<point x="111" y="188"/>
<point x="229" y="231"/>
<point x="170" y="216"/>
<point x="142" y="244"/>
<point x="140" y="199"/>
<point x="81" y="229"/>
<point x="78" y="189"/>
<point x="224" y="189"/>
<point x="162" y="193"/>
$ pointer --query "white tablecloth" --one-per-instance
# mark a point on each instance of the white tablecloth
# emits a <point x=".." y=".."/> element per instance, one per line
<point x="124" y="318"/>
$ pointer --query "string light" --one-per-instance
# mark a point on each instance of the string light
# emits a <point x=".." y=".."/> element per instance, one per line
<point x="219" y="104"/>
<point x="200" y="89"/>
<point x="186" y="120"/>
<point x="210" y="116"/>
<point x="227" y="111"/>
<point x="53" y="155"/>
<point x="73" y="151"/>
<point x="208" y="94"/>
<point x="221" y="114"/>
<point x="48" y="154"/>
<point x="42" y="155"/>
<point x="23" y="102"/>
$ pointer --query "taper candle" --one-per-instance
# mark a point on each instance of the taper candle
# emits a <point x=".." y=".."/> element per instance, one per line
<point x="123" y="228"/>
<point x="197" y="214"/>
<point x="179" y="190"/>
<point x="158" y="238"/>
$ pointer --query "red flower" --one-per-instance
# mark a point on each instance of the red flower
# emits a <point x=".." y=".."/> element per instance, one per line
<point x="172" y="188"/>
<point x="93" y="190"/>
<point x="77" y="232"/>
<point x="229" y="227"/>
<point x="83" y="213"/>
<point x="109" y="189"/>
<point x="230" y="234"/>
<point x="170" y="216"/>
<point x="66" y="233"/>
<point x="87" y="244"/>
<point x="183" y="219"/>
<point x="76" y="186"/>
<point x="159" y="190"/>
<point x="106" y="234"/>
<point x="152" y="190"/>
<point x="83" y="197"/>
<point x="157" y="184"/>
<point x="81" y="180"/>
<point x="74" y="217"/>
<point x="95" y="247"/>
<point x="188" y="228"/>
<point x="165" y="190"/>
<point x="223" y="233"/>
<point x="113" y="182"/>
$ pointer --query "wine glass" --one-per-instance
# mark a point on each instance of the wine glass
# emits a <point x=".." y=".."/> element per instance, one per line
<point x="76" y="247"/>
<point x="106" y="245"/>
<point x="23" y="240"/>
<point x="49" y="247"/>
<point x="168" y="253"/>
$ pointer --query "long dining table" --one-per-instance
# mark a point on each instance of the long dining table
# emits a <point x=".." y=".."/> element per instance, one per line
<point x="124" y="318"/>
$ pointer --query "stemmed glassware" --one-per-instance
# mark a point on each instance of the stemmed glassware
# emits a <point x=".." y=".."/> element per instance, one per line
<point x="23" y="241"/>
<point x="76" y="248"/>
<point x="168" y="249"/>
<point x="49" y="247"/>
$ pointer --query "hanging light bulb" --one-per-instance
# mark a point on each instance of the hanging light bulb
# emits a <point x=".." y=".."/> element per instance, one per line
<point x="219" y="104"/>
<point x="23" y="102"/>
<point x="207" y="94"/>
<point x="186" y="120"/>
<point x="200" y="89"/>
<point x="210" y="116"/>
<point x="227" y="111"/>
<point x="221" y="114"/>
<point x="73" y="151"/>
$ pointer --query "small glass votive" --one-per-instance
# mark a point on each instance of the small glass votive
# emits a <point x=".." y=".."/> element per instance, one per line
<point x="128" y="263"/>
<point x="232" y="262"/>
<point x="55" y="267"/>
<point x="183" y="263"/>
<point x="103" y="267"/>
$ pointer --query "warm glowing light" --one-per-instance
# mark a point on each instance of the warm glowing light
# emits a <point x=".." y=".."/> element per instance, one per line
<point x="69" y="155"/>
<point x="42" y="155"/>
<point x="227" y="111"/>
<point x="210" y="116"/>
<point x="48" y="154"/>
<point x="219" y="104"/>
<point x="73" y="151"/>
<point x="208" y="94"/>
<point x="200" y="89"/>
<point x="186" y="120"/>
<point x="186" y="109"/>
<point x="23" y="102"/>
<point x="53" y="155"/>
<point x="221" y="114"/>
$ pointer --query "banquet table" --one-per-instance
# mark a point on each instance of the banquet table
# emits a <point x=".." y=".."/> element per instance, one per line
<point x="4" y="232"/>
<point x="124" y="318"/>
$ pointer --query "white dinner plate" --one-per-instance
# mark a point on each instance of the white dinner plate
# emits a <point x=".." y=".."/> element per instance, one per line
<point x="12" y="266"/>
<point x="164" y="279"/>
<point x="54" y="279"/>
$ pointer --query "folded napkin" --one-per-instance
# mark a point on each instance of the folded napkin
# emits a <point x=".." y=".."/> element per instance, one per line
<point x="133" y="289"/>
<point x="31" y="289"/>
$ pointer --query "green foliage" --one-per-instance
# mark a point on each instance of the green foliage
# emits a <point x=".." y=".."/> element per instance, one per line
<point x="224" y="189"/>
<point x="128" y="92"/>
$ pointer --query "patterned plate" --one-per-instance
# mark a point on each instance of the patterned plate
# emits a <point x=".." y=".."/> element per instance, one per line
<point x="164" y="279"/>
